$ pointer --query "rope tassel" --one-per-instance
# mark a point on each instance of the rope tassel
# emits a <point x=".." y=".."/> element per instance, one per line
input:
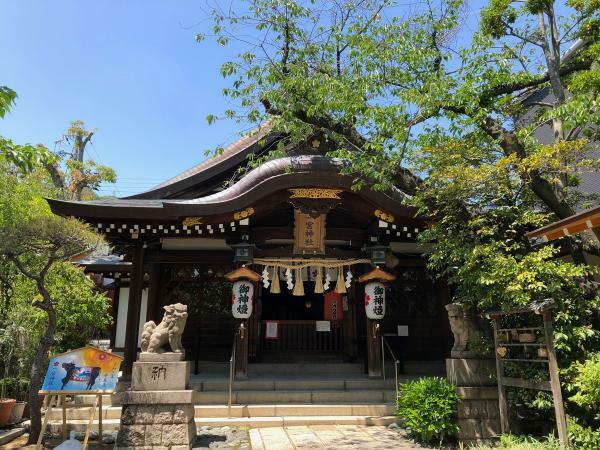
<point x="275" y="288"/>
<point x="340" y="286"/>
<point x="299" y="287"/>
<point x="319" y="282"/>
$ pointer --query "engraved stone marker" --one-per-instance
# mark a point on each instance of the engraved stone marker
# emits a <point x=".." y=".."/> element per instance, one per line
<point x="158" y="411"/>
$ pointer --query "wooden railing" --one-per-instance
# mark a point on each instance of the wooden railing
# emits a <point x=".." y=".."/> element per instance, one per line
<point x="302" y="336"/>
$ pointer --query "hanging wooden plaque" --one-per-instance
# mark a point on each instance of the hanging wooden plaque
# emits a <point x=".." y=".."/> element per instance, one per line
<point x="309" y="233"/>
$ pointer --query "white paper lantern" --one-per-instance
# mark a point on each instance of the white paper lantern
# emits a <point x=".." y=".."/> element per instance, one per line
<point x="375" y="300"/>
<point x="241" y="299"/>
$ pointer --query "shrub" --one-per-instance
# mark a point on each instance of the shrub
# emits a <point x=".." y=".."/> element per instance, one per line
<point x="582" y="437"/>
<point x="587" y="383"/>
<point x="426" y="408"/>
<point x="512" y="442"/>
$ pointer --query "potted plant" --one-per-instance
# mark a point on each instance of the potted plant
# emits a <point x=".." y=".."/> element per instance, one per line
<point x="6" y="404"/>
<point x="21" y="386"/>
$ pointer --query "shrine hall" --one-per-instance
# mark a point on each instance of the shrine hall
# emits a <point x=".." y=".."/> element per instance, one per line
<point x="282" y="262"/>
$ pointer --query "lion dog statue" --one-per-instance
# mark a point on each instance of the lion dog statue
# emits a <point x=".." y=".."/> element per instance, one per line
<point x="156" y="337"/>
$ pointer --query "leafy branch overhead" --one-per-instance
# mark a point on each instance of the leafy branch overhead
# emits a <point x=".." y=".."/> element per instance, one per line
<point x="384" y="82"/>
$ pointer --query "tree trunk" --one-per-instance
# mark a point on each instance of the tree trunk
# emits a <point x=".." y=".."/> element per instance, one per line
<point x="37" y="367"/>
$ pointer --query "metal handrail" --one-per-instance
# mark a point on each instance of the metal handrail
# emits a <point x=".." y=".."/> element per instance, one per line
<point x="231" y="373"/>
<point x="396" y="360"/>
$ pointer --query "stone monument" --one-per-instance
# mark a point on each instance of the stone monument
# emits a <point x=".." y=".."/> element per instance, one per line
<point x="158" y="411"/>
<point x="475" y="378"/>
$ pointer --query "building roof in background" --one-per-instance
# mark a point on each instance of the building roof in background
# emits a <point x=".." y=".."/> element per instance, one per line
<point x="585" y="220"/>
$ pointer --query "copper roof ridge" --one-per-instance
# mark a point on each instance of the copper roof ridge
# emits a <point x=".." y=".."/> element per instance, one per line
<point x="276" y="168"/>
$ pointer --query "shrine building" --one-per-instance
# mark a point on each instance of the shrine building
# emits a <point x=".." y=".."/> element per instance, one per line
<point x="298" y="223"/>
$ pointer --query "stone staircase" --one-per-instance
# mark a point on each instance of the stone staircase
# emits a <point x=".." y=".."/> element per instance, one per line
<point x="273" y="395"/>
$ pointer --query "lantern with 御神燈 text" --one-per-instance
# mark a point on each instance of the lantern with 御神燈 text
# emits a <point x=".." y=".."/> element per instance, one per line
<point x="375" y="292"/>
<point x="241" y="299"/>
<point x="375" y="300"/>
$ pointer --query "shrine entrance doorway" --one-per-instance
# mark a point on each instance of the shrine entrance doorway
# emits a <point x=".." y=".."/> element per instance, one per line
<point x="308" y="328"/>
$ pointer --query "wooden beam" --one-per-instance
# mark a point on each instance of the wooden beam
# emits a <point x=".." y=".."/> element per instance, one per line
<point x="133" y="310"/>
<point x="190" y="256"/>
<point x="561" y="421"/>
<point x="502" y="403"/>
<point x="526" y="384"/>
<point x="585" y="220"/>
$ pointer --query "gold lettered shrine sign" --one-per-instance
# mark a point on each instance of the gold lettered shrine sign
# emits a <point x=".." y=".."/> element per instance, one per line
<point x="309" y="233"/>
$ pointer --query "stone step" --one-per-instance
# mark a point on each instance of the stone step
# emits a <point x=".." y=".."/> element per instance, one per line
<point x="254" y="422"/>
<point x="294" y="384"/>
<point x="221" y="411"/>
<point x="296" y="368"/>
<point x="285" y="368"/>
<point x="294" y="396"/>
<point x="89" y="399"/>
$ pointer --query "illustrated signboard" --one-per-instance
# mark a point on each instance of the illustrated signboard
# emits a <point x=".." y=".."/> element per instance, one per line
<point x="84" y="369"/>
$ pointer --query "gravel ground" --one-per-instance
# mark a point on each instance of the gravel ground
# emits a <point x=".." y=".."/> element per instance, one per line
<point x="234" y="438"/>
<point x="223" y="438"/>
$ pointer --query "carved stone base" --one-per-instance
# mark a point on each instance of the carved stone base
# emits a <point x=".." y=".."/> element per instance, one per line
<point x="478" y="411"/>
<point x="478" y="414"/>
<point x="162" y="426"/>
<point x="471" y="371"/>
<point x="158" y="413"/>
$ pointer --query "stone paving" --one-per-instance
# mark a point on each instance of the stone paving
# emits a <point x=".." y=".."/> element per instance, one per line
<point x="330" y="437"/>
<point x="326" y="437"/>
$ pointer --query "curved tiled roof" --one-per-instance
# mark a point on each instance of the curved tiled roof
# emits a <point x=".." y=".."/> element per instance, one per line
<point x="276" y="175"/>
<point x="279" y="174"/>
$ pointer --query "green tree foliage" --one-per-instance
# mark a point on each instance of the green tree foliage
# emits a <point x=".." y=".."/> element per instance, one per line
<point x="36" y="247"/>
<point x="7" y="99"/>
<point x="382" y="82"/>
<point x="73" y="175"/>
<point x="46" y="302"/>
<point x="413" y="99"/>
<point x="23" y="158"/>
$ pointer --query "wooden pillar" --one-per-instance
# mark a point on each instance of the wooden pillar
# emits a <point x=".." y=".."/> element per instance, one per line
<point x="152" y="308"/>
<point x="115" y="312"/>
<point x="561" y="422"/>
<point x="373" y="349"/>
<point x="241" y="349"/>
<point x="133" y="309"/>
<point x="349" y="324"/>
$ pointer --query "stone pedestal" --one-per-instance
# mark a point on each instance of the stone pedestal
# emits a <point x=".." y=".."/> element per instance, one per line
<point x="160" y="376"/>
<point x="478" y="411"/>
<point x="158" y="411"/>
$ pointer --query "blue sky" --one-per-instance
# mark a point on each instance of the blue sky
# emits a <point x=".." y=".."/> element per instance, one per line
<point x="131" y="69"/>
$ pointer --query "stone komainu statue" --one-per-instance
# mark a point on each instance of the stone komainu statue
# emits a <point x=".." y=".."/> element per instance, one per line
<point x="169" y="331"/>
<point x="463" y="326"/>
